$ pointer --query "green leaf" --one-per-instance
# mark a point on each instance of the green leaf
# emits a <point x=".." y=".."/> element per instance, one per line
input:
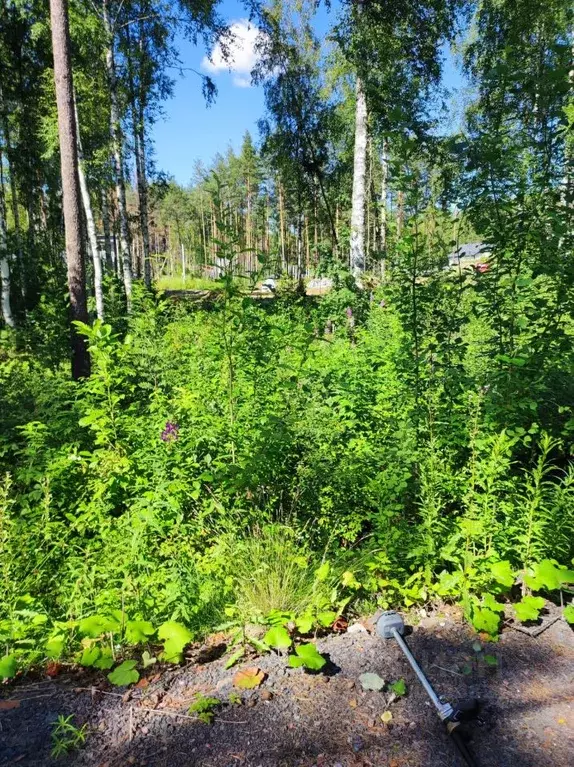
<point x="327" y="618"/>
<point x="55" y="646"/>
<point x="502" y="573"/>
<point x="370" y="681"/>
<point x="235" y="657"/>
<point x="304" y="624"/>
<point x="124" y="674"/>
<point x="489" y="601"/>
<point x="8" y="667"/>
<point x="175" y="637"/>
<point x="322" y="572"/>
<point x="569" y="614"/>
<point x="138" y="631"/>
<point x="89" y="656"/>
<point x="96" y="625"/>
<point x="399" y="687"/>
<point x="387" y="717"/>
<point x="546" y="574"/>
<point x="308" y="656"/>
<point x="278" y="637"/>
<point x="486" y="620"/>
<point x="528" y="609"/>
<point x="490" y="660"/>
<point x="105" y="659"/>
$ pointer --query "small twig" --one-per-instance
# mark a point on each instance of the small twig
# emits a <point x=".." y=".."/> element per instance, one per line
<point x="183" y="716"/>
<point x="95" y="691"/>
<point x="448" y="670"/>
<point x="34" y="697"/>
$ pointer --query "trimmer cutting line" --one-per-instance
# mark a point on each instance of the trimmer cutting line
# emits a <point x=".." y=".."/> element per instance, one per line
<point x="391" y="626"/>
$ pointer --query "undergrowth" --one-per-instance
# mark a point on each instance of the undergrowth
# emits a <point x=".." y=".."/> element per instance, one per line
<point x="220" y="456"/>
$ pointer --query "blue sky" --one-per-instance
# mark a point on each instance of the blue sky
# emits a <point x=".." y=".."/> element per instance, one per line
<point x="190" y="131"/>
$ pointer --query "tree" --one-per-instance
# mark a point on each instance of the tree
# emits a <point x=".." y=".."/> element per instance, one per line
<point x="357" y="253"/>
<point x="71" y="194"/>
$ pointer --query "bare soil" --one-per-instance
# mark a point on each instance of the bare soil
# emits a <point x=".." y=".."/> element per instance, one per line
<point x="316" y="720"/>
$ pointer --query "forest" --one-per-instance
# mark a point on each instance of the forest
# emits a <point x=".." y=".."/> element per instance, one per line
<point x="183" y="451"/>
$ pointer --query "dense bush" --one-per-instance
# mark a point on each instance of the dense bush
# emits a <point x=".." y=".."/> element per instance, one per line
<point x="143" y="488"/>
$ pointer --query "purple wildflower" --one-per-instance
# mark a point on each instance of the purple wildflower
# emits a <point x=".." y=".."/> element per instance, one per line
<point x="171" y="432"/>
<point x="349" y="312"/>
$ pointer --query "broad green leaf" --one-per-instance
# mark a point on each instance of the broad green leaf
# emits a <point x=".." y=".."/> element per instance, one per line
<point x="547" y="575"/>
<point x="304" y="624"/>
<point x="490" y="660"/>
<point x="138" y="631"/>
<point x="308" y="656"/>
<point x="55" y="646"/>
<point x="399" y="687"/>
<point x="486" y="620"/>
<point x="528" y="609"/>
<point x="124" y="674"/>
<point x="96" y="625"/>
<point x="105" y="659"/>
<point x="89" y="656"/>
<point x="8" y="667"/>
<point x="327" y="618"/>
<point x="490" y="603"/>
<point x="569" y="614"/>
<point x="175" y="637"/>
<point x="502" y="573"/>
<point x="278" y="637"/>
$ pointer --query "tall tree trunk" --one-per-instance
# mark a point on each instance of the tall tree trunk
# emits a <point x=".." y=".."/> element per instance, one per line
<point x="138" y="105"/>
<point x="105" y="208"/>
<point x="357" y="256"/>
<point x="117" y="140"/>
<point x="90" y="224"/>
<point x="5" y="276"/>
<point x="282" y="228"/>
<point x="14" y="195"/>
<point x="70" y="182"/>
<point x="384" y="183"/>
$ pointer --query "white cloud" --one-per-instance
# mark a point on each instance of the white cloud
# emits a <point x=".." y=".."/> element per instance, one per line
<point x="241" y="54"/>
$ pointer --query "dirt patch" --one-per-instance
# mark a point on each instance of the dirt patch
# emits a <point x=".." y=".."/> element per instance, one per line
<point x="296" y="718"/>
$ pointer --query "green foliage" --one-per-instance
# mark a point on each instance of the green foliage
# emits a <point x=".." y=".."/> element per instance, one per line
<point x="205" y="707"/>
<point x="66" y="737"/>
<point x="399" y="687"/>
<point x="278" y="637"/>
<point x="529" y="607"/>
<point x="568" y="614"/>
<point x="124" y="674"/>
<point x="308" y="656"/>
<point x="175" y="637"/>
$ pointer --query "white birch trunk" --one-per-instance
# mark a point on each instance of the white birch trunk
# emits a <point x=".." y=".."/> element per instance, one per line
<point x="90" y="226"/>
<point x="5" y="266"/>
<point x="117" y="156"/>
<point x="357" y="254"/>
<point x="384" y="182"/>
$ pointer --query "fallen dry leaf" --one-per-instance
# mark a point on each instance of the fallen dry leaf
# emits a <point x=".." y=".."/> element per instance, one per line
<point x="353" y="703"/>
<point x="340" y="624"/>
<point x="248" y="678"/>
<point x="143" y="682"/>
<point x="53" y="669"/>
<point x="6" y="705"/>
